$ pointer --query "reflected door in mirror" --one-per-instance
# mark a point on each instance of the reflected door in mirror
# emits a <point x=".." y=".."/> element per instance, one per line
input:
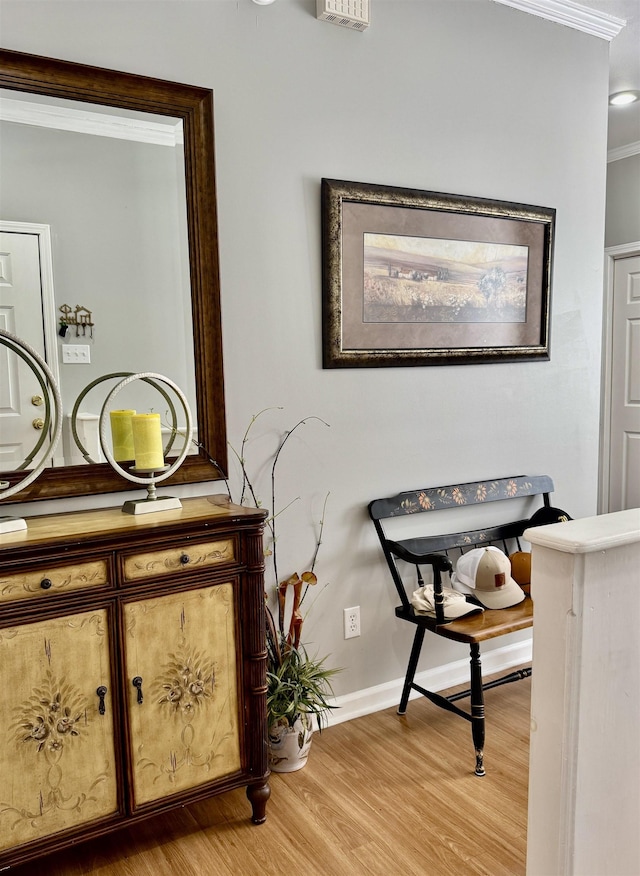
<point x="22" y="409"/>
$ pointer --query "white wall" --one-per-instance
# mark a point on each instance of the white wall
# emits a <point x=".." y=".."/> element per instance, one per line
<point x="458" y="96"/>
<point x="622" y="223"/>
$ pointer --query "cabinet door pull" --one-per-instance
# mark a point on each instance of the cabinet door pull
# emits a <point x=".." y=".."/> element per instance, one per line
<point x="102" y="692"/>
<point x="46" y="583"/>
<point x="137" y="683"/>
<point x="184" y="559"/>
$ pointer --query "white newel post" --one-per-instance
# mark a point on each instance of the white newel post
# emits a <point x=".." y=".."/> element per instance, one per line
<point x="584" y="775"/>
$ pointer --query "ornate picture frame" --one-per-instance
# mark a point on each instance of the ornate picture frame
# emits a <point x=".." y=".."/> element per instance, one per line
<point x="421" y="278"/>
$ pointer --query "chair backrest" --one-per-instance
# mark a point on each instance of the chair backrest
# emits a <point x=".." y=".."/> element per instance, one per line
<point x="420" y="550"/>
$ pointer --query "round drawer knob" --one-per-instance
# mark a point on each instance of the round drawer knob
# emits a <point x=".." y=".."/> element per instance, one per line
<point x="46" y="583"/>
<point x="184" y="559"/>
<point x="38" y="423"/>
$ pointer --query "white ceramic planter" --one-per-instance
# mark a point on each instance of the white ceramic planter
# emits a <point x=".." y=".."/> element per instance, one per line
<point x="289" y="746"/>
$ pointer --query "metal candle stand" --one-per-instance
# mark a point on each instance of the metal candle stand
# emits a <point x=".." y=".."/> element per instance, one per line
<point x="152" y="502"/>
<point x="53" y="401"/>
<point x="76" y="408"/>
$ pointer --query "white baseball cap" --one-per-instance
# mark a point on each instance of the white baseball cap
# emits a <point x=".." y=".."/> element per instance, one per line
<point x="485" y="573"/>
<point x="454" y="604"/>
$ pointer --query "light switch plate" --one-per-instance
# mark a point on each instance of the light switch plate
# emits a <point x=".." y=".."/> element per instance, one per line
<point x="76" y="354"/>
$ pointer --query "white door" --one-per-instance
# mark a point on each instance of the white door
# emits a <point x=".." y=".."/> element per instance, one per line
<point x="624" y="444"/>
<point x="21" y="313"/>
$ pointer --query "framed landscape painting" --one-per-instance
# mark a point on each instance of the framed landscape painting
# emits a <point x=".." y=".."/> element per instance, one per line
<point x="420" y="278"/>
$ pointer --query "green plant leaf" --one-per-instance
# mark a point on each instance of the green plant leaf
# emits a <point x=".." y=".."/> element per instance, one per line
<point x="298" y="684"/>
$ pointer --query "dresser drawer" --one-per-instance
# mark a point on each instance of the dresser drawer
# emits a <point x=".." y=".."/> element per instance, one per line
<point x="45" y="580"/>
<point x="182" y="558"/>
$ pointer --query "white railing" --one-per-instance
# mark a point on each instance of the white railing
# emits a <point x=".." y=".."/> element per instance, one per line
<point x="584" y="774"/>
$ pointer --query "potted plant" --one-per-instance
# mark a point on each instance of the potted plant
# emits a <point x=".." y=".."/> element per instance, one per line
<point x="298" y="685"/>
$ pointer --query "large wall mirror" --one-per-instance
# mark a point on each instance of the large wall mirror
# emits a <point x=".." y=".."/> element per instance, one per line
<point x="111" y="176"/>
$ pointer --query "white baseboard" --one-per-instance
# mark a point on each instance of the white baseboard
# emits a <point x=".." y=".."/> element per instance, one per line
<point x="384" y="696"/>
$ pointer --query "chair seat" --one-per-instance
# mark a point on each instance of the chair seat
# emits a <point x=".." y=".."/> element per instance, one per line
<point x="477" y="627"/>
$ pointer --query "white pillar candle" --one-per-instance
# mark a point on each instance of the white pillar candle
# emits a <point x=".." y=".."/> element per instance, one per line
<point x="147" y="442"/>
<point x="122" y="435"/>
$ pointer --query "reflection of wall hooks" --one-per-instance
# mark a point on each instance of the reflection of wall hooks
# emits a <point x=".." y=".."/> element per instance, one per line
<point x="80" y="317"/>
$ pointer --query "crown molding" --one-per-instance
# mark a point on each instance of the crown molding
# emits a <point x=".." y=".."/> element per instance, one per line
<point x="623" y="152"/>
<point x="86" y="122"/>
<point x="575" y="15"/>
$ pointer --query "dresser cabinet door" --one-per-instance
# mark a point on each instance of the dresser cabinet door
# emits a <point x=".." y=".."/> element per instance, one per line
<point x="182" y="703"/>
<point x="57" y="758"/>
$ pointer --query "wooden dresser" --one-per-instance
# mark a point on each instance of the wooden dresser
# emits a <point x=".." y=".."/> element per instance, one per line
<point x="132" y="669"/>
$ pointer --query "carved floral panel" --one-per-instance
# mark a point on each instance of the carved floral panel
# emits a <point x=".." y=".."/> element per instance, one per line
<point x="184" y="712"/>
<point x="57" y="759"/>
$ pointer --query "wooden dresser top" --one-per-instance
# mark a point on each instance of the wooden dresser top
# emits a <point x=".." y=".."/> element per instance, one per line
<point x="112" y="524"/>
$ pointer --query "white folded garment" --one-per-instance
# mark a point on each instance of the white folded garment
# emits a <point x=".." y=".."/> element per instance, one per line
<point x="454" y="604"/>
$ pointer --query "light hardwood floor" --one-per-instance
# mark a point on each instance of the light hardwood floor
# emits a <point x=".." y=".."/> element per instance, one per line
<point x="381" y="794"/>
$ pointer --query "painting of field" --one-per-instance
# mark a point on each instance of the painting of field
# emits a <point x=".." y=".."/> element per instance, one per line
<point x="428" y="280"/>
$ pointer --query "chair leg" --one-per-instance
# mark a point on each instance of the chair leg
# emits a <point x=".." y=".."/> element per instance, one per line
<point x="477" y="708"/>
<point x="411" y="669"/>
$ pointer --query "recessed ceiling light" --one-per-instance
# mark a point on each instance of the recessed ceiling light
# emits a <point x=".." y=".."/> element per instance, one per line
<point x="263" y="2"/>
<point x="622" y="98"/>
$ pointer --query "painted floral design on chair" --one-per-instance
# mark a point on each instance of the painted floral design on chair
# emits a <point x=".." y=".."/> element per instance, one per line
<point x="437" y="498"/>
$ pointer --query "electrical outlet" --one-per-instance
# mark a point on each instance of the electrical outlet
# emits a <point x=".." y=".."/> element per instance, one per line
<point x="76" y="354"/>
<point x="352" y="622"/>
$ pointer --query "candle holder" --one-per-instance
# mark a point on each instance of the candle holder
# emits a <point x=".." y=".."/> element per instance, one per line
<point x="148" y="477"/>
<point x="113" y="376"/>
<point x="51" y="429"/>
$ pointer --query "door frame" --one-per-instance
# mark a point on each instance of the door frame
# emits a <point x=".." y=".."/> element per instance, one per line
<point x="49" y="318"/>
<point x="611" y="255"/>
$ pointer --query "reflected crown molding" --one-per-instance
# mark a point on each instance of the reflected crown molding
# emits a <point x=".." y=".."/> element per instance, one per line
<point x="87" y="122"/>
<point x="623" y="152"/>
<point x="575" y="15"/>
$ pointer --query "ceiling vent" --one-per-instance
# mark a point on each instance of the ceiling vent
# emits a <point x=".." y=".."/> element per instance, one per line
<point x="346" y="13"/>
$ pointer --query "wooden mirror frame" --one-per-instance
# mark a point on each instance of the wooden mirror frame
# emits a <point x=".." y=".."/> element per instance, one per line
<point x="194" y="105"/>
